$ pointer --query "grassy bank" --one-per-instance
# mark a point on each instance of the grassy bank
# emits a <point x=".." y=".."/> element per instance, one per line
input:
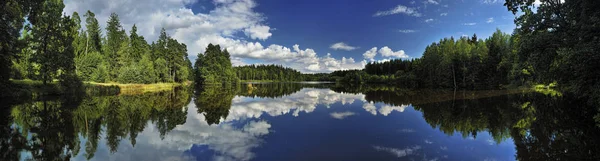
<point x="140" y="88"/>
<point x="29" y="88"/>
<point x="259" y="81"/>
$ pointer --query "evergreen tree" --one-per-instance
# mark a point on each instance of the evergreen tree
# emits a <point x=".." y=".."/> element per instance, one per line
<point x="13" y="13"/>
<point x="214" y="67"/>
<point x="93" y="40"/>
<point x="52" y="38"/>
<point x="115" y="37"/>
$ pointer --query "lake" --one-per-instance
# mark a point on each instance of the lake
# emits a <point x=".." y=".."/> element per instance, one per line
<point x="301" y="121"/>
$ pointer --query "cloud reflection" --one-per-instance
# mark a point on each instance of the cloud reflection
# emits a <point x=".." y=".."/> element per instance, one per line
<point x="342" y="115"/>
<point x="398" y="152"/>
<point x="227" y="141"/>
<point x="303" y="101"/>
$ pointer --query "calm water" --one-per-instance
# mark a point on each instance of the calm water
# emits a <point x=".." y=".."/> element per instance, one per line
<point x="301" y="122"/>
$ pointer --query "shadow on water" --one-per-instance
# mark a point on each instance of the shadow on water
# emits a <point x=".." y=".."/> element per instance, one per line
<point x="542" y="126"/>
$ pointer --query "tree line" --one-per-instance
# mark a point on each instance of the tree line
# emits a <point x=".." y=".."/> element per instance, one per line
<point x="50" y="46"/>
<point x="465" y="63"/>
<point x="556" y="43"/>
<point x="268" y="72"/>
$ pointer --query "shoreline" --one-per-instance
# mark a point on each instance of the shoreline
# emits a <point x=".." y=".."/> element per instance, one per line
<point x="28" y="88"/>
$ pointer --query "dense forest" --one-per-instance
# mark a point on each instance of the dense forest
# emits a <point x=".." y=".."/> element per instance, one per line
<point x="553" y="44"/>
<point x="466" y="63"/>
<point x="268" y="72"/>
<point x="40" y="43"/>
<point x="214" y="67"/>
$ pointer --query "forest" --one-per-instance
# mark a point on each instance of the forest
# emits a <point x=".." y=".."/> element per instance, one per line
<point x="40" y="43"/>
<point x="553" y="45"/>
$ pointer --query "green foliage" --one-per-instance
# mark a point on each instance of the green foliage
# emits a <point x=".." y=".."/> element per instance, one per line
<point x="462" y="63"/>
<point x="161" y="70"/>
<point x="93" y="40"/>
<point x="130" y="74"/>
<point x="268" y="72"/>
<point x="114" y="46"/>
<point x="214" y="67"/>
<point x="214" y="102"/>
<point x="13" y="13"/>
<point x="88" y="65"/>
<point x="53" y="128"/>
<point x="559" y="42"/>
<point x="52" y="41"/>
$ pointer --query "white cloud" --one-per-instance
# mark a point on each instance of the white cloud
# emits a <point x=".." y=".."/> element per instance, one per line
<point x="342" y="46"/>
<point x="444" y="14"/>
<point x="397" y="10"/>
<point x="258" y="32"/>
<point x="370" y="54"/>
<point x="227" y="141"/>
<point x="398" y="152"/>
<point x="470" y="24"/>
<point x="303" y="101"/>
<point x="221" y="25"/>
<point x="387" y="52"/>
<point x="428" y="20"/>
<point x="490" y="1"/>
<point x="490" y="20"/>
<point x="370" y="107"/>
<point x="387" y="109"/>
<point x="428" y="141"/>
<point x="431" y="2"/>
<point x="342" y="115"/>
<point x="407" y="31"/>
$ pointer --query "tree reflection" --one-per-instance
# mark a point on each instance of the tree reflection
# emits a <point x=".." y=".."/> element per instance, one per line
<point x="214" y="101"/>
<point x="542" y="127"/>
<point x="54" y="124"/>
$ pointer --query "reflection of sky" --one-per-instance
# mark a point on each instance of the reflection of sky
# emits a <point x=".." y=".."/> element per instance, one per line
<point x="311" y="124"/>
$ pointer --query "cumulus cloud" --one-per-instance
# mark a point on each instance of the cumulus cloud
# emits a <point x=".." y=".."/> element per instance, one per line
<point x="444" y="14"/>
<point x="387" y="109"/>
<point x="342" y="46"/>
<point x="342" y="115"/>
<point x="397" y="10"/>
<point x="227" y="141"/>
<point x="222" y="25"/>
<point x="407" y="31"/>
<point x="258" y="32"/>
<point x="387" y="52"/>
<point x="490" y="20"/>
<point x="431" y="2"/>
<point x="470" y="24"/>
<point x="370" y="107"/>
<point x="429" y="20"/>
<point x="303" y="101"/>
<point x="370" y="54"/>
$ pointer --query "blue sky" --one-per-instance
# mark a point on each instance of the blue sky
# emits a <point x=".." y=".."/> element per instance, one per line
<point x="307" y="35"/>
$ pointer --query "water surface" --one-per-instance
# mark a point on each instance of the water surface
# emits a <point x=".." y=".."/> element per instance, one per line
<point x="282" y="121"/>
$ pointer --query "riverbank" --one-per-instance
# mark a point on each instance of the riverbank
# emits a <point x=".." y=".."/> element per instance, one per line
<point x="29" y="88"/>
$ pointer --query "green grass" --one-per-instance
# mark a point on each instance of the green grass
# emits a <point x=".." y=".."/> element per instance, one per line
<point x="140" y="88"/>
<point x="27" y="87"/>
